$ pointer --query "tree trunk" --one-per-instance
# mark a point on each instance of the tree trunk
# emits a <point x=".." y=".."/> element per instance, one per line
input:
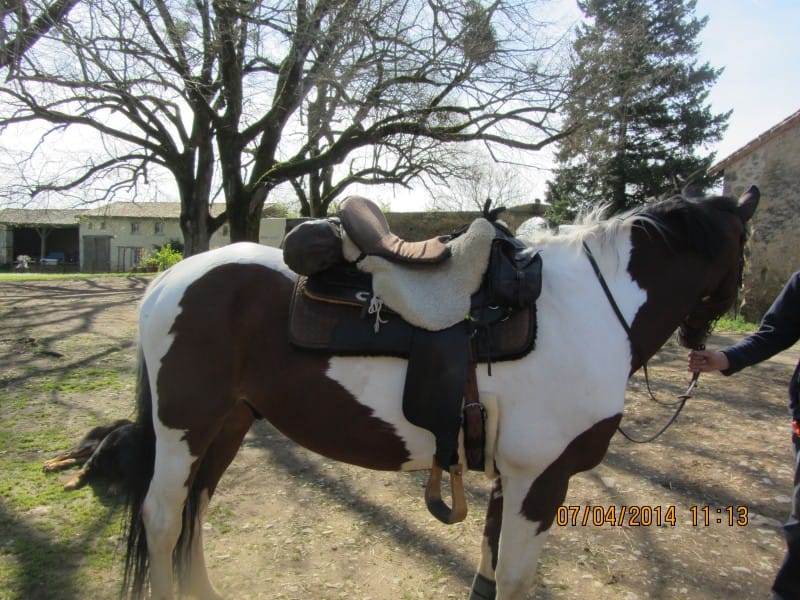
<point x="244" y="215"/>
<point x="194" y="225"/>
<point x="618" y="175"/>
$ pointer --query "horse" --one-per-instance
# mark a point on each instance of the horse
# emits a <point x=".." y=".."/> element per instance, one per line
<point x="215" y="356"/>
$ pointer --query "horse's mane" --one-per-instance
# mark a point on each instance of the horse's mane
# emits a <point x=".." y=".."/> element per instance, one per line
<point x="689" y="224"/>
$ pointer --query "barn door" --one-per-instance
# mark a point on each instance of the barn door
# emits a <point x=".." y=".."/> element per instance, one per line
<point x="97" y="254"/>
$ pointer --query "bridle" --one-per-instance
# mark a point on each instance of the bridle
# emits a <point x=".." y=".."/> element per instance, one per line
<point x="680" y="401"/>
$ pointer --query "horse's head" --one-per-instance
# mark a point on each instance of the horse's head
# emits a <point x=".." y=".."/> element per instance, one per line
<point x="723" y="277"/>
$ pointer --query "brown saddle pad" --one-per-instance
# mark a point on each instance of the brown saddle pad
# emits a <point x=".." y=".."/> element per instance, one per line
<point x="339" y="324"/>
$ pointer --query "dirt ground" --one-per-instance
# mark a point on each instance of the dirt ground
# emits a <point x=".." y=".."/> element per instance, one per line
<point x="288" y="524"/>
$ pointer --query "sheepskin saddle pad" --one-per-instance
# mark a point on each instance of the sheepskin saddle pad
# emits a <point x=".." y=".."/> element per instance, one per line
<point x="430" y="296"/>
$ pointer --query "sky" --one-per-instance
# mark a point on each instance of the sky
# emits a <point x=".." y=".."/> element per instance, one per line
<point x="758" y="44"/>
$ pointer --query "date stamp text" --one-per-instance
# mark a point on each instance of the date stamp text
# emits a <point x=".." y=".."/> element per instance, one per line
<point x="645" y="515"/>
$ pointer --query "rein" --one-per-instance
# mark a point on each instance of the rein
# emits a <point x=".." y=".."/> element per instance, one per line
<point x="680" y="402"/>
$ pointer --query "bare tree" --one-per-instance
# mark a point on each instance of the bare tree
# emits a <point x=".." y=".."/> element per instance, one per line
<point x="238" y="98"/>
<point x="19" y="31"/>
<point x="478" y="179"/>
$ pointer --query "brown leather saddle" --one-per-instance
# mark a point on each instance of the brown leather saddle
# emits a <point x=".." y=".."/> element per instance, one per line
<point x="329" y="313"/>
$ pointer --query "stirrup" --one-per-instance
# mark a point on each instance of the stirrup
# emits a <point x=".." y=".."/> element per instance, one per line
<point x="433" y="495"/>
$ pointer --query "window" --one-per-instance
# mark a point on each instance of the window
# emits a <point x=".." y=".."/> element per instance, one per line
<point x="135" y="227"/>
<point x="159" y="227"/>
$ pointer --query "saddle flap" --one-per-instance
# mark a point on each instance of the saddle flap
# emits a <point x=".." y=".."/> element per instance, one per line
<point x="336" y="325"/>
<point x="327" y="321"/>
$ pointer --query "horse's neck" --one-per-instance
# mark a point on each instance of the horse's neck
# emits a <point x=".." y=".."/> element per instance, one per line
<point x="653" y="289"/>
<point x="672" y="283"/>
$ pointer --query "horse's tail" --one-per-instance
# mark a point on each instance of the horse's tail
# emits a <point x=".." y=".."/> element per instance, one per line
<point x="136" y="561"/>
<point x="137" y="565"/>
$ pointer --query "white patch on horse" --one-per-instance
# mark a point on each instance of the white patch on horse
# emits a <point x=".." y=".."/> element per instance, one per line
<point x="580" y="341"/>
<point x="378" y="383"/>
<point x="194" y="267"/>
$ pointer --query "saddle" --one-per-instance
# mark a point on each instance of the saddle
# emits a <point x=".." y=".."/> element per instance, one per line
<point x="444" y="304"/>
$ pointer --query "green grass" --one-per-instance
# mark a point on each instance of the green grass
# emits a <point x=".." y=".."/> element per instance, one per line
<point x="735" y="325"/>
<point x="53" y="543"/>
<point x="87" y="380"/>
<point x="48" y="276"/>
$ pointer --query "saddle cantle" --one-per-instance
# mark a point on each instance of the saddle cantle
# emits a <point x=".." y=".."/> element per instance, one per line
<point x="443" y="304"/>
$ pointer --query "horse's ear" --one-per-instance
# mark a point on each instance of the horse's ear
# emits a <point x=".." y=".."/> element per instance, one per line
<point x="748" y="203"/>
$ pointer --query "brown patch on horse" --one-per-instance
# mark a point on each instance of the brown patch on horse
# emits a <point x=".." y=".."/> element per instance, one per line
<point x="697" y="239"/>
<point x="231" y="347"/>
<point x="550" y="488"/>
<point x="666" y="301"/>
<point x="494" y="521"/>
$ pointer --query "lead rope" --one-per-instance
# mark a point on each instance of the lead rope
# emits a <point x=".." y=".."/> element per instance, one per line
<point x="681" y="401"/>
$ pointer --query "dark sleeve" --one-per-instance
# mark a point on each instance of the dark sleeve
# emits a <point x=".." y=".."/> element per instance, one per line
<point x="779" y="329"/>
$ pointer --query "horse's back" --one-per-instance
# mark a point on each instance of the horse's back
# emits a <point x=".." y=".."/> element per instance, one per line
<point x="205" y="286"/>
<point x="180" y="276"/>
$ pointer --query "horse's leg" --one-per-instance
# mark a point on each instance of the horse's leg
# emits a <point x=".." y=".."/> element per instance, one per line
<point x="198" y="583"/>
<point x="215" y="461"/>
<point x="530" y="507"/>
<point x="516" y="552"/>
<point x="526" y="518"/>
<point x="483" y="586"/>
<point x="162" y="510"/>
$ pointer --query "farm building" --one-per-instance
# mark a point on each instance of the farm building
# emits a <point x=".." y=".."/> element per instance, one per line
<point x="772" y="162"/>
<point x="113" y="238"/>
<point x="40" y="234"/>
<point x="116" y="237"/>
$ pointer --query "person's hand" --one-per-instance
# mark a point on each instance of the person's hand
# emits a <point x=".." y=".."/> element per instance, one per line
<point x="704" y="361"/>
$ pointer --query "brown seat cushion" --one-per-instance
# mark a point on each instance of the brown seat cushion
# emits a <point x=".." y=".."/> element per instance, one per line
<point x="367" y="227"/>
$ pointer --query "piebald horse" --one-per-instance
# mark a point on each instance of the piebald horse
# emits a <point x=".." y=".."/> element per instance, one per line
<point x="215" y="357"/>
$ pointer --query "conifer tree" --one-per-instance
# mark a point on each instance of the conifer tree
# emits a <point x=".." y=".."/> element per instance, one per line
<point x="638" y="106"/>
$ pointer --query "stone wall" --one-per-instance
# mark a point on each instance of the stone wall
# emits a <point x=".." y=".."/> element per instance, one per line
<point x="774" y="248"/>
<point x="423" y="225"/>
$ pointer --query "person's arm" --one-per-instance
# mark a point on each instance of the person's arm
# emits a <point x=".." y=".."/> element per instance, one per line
<point x="779" y="329"/>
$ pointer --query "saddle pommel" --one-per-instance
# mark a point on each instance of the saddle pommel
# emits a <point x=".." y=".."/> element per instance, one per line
<point x="367" y="227"/>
